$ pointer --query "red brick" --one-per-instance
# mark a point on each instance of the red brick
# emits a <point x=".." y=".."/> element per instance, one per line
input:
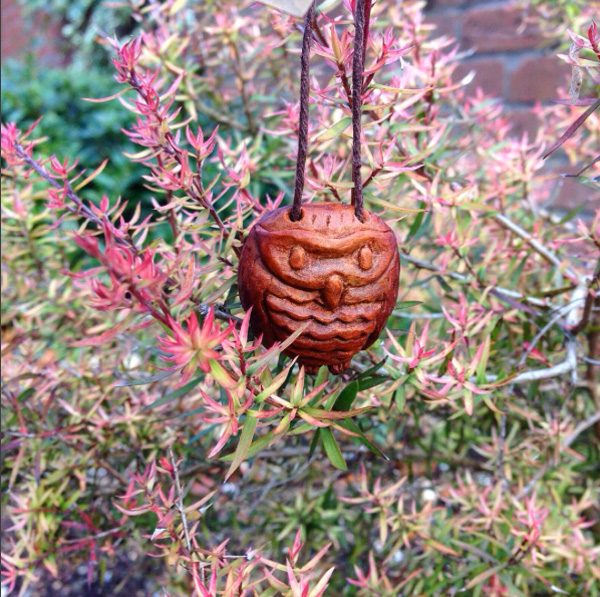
<point x="557" y="192"/>
<point x="445" y="3"/>
<point x="19" y="36"/>
<point x="499" y="30"/>
<point x="489" y="75"/>
<point x="538" y="78"/>
<point x="443" y="26"/>
<point x="568" y="194"/>
<point x="523" y="121"/>
<point x="14" y="42"/>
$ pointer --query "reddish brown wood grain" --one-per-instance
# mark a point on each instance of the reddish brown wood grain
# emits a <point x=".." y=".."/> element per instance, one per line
<point x="328" y="269"/>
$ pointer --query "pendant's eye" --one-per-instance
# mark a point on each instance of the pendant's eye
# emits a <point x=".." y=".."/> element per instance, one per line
<point x="297" y="258"/>
<point x="365" y="258"/>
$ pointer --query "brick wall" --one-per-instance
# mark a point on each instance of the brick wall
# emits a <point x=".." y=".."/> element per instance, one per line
<point x="13" y="44"/>
<point x="512" y="61"/>
<point x="19" y="36"/>
<point x="510" y="57"/>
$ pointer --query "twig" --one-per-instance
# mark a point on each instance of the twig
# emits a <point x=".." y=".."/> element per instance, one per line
<point x="560" y="313"/>
<point x="569" y="440"/>
<point x="81" y="209"/>
<point x="217" y="116"/>
<point x="538" y="247"/>
<point x="569" y="365"/>
<point x="498" y="291"/>
<point x="100" y="535"/>
<point x="590" y="299"/>
<point x="186" y="530"/>
<point x="501" y="448"/>
<point x="404" y="315"/>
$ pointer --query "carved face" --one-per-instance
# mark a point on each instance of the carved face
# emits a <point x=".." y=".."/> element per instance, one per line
<point x="328" y="269"/>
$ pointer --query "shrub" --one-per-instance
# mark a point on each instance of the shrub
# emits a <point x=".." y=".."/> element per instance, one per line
<point x="79" y="130"/>
<point x="141" y="418"/>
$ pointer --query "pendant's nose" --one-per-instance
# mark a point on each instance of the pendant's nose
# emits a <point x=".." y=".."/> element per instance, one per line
<point x="332" y="291"/>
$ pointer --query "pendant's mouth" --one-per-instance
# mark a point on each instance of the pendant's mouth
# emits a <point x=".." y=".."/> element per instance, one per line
<point x="331" y="336"/>
<point x="364" y="314"/>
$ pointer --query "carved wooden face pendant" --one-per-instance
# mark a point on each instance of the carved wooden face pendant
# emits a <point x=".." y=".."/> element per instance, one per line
<point x="328" y="269"/>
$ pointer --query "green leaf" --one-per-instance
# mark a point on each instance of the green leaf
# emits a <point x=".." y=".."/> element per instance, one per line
<point x="243" y="447"/>
<point x="346" y="397"/>
<point x="372" y="370"/>
<point x="314" y="443"/>
<point x="176" y="394"/>
<point x="260" y="444"/>
<point x="336" y="129"/>
<point x="401" y="305"/>
<point x="400" y="397"/>
<point x="351" y="425"/>
<point x="416" y="225"/>
<point x="475" y="206"/>
<point x="483" y="576"/>
<point x="274" y="385"/>
<point x="332" y="449"/>
<point x="322" y="375"/>
<point x="371" y="382"/>
<point x="482" y="365"/>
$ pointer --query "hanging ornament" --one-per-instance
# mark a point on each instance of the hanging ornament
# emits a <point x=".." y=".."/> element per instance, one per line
<point x="328" y="266"/>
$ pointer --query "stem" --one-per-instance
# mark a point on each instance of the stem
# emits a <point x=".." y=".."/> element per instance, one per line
<point x="81" y="209"/>
<point x="186" y="530"/>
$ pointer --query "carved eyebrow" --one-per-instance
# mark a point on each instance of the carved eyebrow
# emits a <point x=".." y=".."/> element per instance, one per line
<point x="324" y="245"/>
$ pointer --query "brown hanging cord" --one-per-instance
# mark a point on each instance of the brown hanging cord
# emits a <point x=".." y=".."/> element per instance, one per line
<point x="358" y="66"/>
<point x="357" y="83"/>
<point x="296" y="212"/>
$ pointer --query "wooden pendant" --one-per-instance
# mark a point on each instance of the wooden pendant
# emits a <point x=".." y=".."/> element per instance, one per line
<point x="328" y="269"/>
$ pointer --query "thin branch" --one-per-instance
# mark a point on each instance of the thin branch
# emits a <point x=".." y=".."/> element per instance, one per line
<point x="569" y="365"/>
<point x="568" y="441"/>
<point x="100" y="535"/>
<point x="498" y="291"/>
<point x="500" y="474"/>
<point x="186" y="530"/>
<point x="217" y="116"/>
<point x="538" y="247"/>
<point x="560" y="313"/>
<point x="83" y="210"/>
<point x="80" y="209"/>
<point x="590" y="299"/>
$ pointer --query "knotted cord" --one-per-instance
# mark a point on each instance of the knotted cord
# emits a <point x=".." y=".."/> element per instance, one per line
<point x="358" y="67"/>
<point x="357" y="91"/>
<point x="296" y="212"/>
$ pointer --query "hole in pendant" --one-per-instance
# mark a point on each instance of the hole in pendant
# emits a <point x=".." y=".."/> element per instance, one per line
<point x="291" y="215"/>
<point x="361" y="217"/>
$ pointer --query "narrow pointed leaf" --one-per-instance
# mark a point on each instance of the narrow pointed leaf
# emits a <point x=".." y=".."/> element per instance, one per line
<point x="243" y="447"/>
<point x="332" y="450"/>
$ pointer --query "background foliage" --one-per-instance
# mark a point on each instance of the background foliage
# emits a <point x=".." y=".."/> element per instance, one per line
<point x="149" y="441"/>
